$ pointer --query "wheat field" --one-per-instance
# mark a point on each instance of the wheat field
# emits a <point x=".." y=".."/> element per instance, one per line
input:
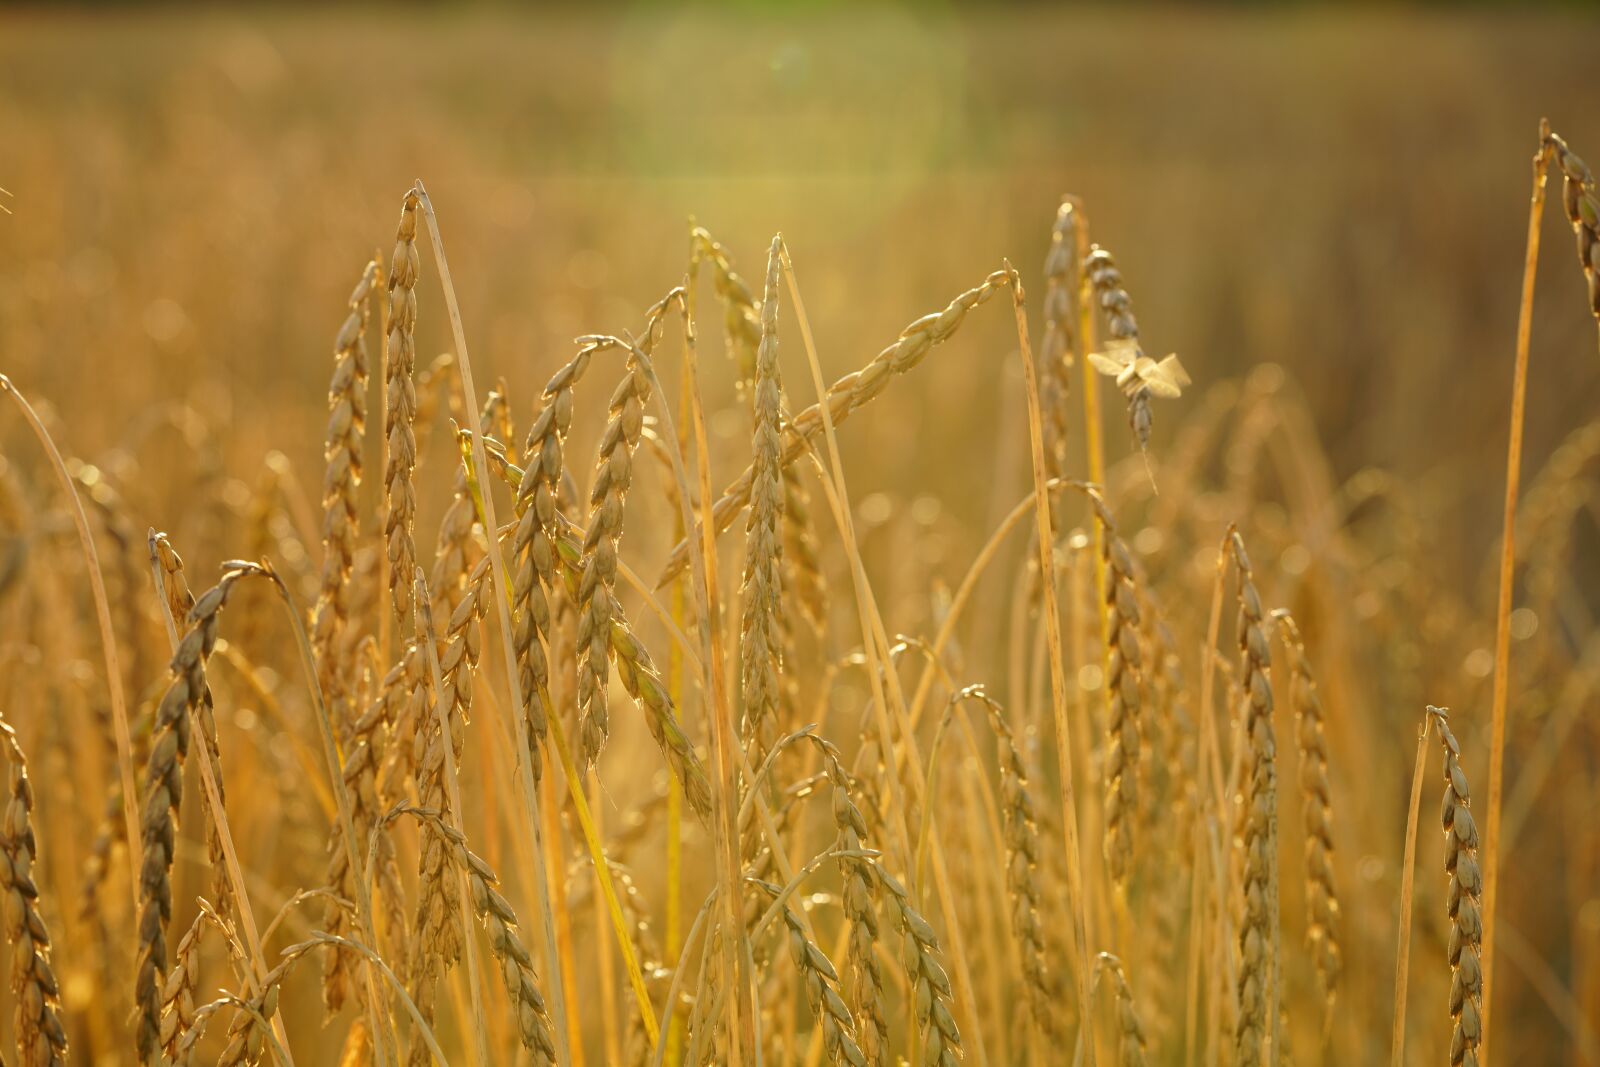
<point x="862" y="536"/>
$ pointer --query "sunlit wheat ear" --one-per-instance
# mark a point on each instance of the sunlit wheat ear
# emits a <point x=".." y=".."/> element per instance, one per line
<point x="41" y="1041"/>
<point x="1124" y="671"/>
<point x="1020" y="824"/>
<point x="1056" y="350"/>
<point x="1465" y="904"/>
<point x="859" y="896"/>
<point x="931" y="994"/>
<point x="1131" y="1043"/>
<point x="538" y="488"/>
<point x="847" y="395"/>
<point x="501" y="927"/>
<point x="163" y="792"/>
<point x="178" y="997"/>
<point x="1583" y="211"/>
<point x="596" y="585"/>
<point x="249" y="1035"/>
<point x="821" y="983"/>
<point x="1136" y="374"/>
<point x="341" y="483"/>
<point x="1322" y="899"/>
<point x="741" y="320"/>
<point x="399" y="701"/>
<point x="437" y="933"/>
<point x="761" y="650"/>
<point x="400" y="408"/>
<point x="1258" y="929"/>
<point x="179" y="601"/>
<point x="456" y="551"/>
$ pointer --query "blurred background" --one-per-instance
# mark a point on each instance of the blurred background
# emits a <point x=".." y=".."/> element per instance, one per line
<point x="1341" y="192"/>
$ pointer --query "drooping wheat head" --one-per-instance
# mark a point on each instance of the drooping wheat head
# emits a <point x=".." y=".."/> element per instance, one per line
<point x="821" y="983"/>
<point x="163" y="793"/>
<point x="500" y="925"/>
<point x="1131" y="1042"/>
<point x="1583" y="211"/>
<point x="931" y="995"/>
<point x="741" y="319"/>
<point x="179" y="600"/>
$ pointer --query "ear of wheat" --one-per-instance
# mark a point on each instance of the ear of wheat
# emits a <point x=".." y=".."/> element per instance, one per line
<point x="1465" y="901"/>
<point x="1258" y="932"/>
<point x="41" y="1041"/>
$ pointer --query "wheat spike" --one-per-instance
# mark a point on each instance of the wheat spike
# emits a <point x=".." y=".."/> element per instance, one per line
<point x="400" y="409"/>
<point x="1258" y="932"/>
<point x="1322" y="898"/>
<point x="163" y="793"/>
<point x="1465" y="901"/>
<point x="761" y="654"/>
<point x="41" y="1041"/>
<point x="341" y="522"/>
<point x="1583" y="211"/>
